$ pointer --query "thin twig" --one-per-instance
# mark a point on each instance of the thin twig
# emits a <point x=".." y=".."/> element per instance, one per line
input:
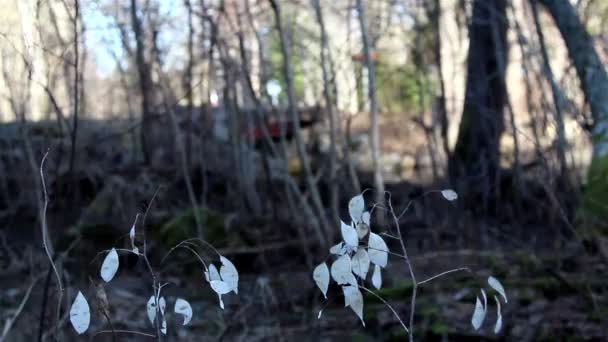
<point x="409" y="266"/>
<point x="46" y="242"/>
<point x="11" y="321"/>
<point x="123" y="332"/>
<point x="444" y="273"/>
<point x="144" y="255"/>
<point x="183" y="244"/>
<point x="143" y="220"/>
<point x="45" y="297"/>
<point x="387" y="305"/>
<point x="110" y="323"/>
<point x="44" y="227"/>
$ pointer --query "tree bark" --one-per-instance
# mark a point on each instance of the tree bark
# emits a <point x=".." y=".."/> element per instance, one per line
<point x="434" y="13"/>
<point x="555" y="93"/>
<point x="145" y="81"/>
<point x="76" y="85"/>
<point x="594" y="84"/>
<point x="373" y="110"/>
<point x="188" y="83"/>
<point x="475" y="162"/>
<point x="300" y="144"/>
<point x="589" y="68"/>
<point x="329" y="106"/>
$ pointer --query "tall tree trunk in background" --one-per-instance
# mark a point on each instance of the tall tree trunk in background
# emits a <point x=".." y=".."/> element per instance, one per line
<point x="76" y="85"/>
<point x="300" y="144"/>
<point x="590" y="70"/>
<point x="555" y="93"/>
<point x="145" y="82"/>
<point x="373" y="105"/>
<point x="433" y="9"/>
<point x="475" y="162"/>
<point x="188" y="83"/>
<point x="330" y="107"/>
<point x="594" y="83"/>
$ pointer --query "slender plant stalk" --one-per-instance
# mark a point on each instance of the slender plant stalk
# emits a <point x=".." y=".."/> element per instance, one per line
<point x="387" y="305"/>
<point x="409" y="267"/>
<point x="46" y="243"/>
<point x="11" y="321"/>
<point x="123" y="332"/>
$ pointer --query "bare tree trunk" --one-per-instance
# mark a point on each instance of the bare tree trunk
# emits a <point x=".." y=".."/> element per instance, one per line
<point x="594" y="83"/>
<point x="76" y="84"/>
<point x="434" y="13"/>
<point x="373" y="110"/>
<point x="422" y="86"/>
<point x="145" y="82"/>
<point x="124" y="82"/>
<point x="589" y="67"/>
<point x="269" y="145"/>
<point x="557" y="100"/>
<point x="330" y="105"/>
<point x="188" y="83"/>
<point x="167" y="96"/>
<point x="475" y="161"/>
<point x="300" y="144"/>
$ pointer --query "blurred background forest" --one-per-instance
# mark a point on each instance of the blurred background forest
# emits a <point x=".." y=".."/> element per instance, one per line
<point x="251" y="123"/>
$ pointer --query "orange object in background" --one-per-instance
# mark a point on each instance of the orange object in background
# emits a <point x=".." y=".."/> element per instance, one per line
<point x="360" y="57"/>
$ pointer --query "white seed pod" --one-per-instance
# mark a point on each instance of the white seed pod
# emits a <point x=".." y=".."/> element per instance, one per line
<point x="449" y="194"/>
<point x="151" y="309"/>
<point x="109" y="266"/>
<point x="349" y="235"/>
<point x="377" y="277"/>
<point x="229" y="274"/>
<point x="212" y="274"/>
<point x="365" y="217"/>
<point x="377" y="250"/>
<point x="497" y="286"/>
<point x="362" y="229"/>
<point x="360" y="263"/>
<point x="356" y="205"/>
<point x="182" y="307"/>
<point x="132" y="238"/>
<point x="337" y="249"/>
<point x="162" y="304"/>
<point x="498" y="324"/>
<point x="352" y="280"/>
<point x="163" y="327"/>
<point x="220" y="287"/>
<point x="478" y="315"/>
<point x="321" y="278"/>
<point x="354" y="299"/>
<point x="80" y="314"/>
<point x="341" y="271"/>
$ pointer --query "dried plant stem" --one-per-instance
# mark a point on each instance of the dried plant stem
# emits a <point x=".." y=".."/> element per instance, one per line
<point x="155" y="283"/>
<point x="46" y="243"/>
<point x="387" y="305"/>
<point x="11" y="321"/>
<point x="444" y="273"/>
<point x="409" y="266"/>
<point x="123" y="332"/>
<point x="110" y="324"/>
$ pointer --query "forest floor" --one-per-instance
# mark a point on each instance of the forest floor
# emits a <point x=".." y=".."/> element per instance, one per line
<point x="553" y="295"/>
<point x="556" y="286"/>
